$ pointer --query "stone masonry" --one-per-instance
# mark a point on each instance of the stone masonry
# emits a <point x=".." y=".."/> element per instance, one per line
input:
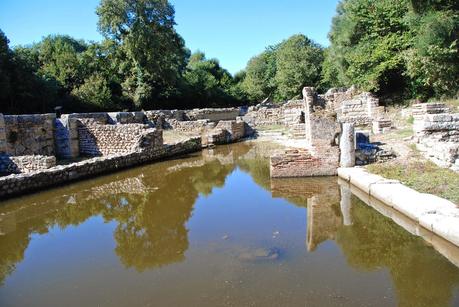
<point x="29" y="134"/>
<point x="19" y="184"/>
<point x="321" y="157"/>
<point x="437" y="133"/>
<point x="25" y="164"/>
<point x="98" y="140"/>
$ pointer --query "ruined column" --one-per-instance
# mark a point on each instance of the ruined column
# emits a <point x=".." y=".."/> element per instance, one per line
<point x="346" y="204"/>
<point x="347" y="145"/>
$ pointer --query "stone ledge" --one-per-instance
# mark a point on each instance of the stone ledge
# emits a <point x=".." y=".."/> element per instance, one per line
<point x="429" y="211"/>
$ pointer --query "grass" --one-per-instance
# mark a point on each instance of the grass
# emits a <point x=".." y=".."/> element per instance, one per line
<point x="403" y="133"/>
<point x="423" y="176"/>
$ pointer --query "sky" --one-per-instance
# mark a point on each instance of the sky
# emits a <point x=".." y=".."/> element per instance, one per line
<point x="232" y="31"/>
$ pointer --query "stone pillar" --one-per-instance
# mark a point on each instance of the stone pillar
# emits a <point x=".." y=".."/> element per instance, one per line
<point x="2" y="134"/>
<point x="346" y="205"/>
<point x="347" y="145"/>
<point x="308" y="99"/>
<point x="66" y="137"/>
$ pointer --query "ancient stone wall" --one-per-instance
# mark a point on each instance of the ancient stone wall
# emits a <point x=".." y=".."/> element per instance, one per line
<point x="102" y="140"/>
<point x="437" y="133"/>
<point x="127" y="117"/>
<point x="66" y="137"/>
<point x="302" y="163"/>
<point x="213" y="115"/>
<point x="321" y="157"/>
<point x="191" y="127"/>
<point x="19" y="184"/>
<point x="25" y="164"/>
<point x="236" y="129"/>
<point x="287" y="114"/>
<point x="361" y="110"/>
<point x="29" y="134"/>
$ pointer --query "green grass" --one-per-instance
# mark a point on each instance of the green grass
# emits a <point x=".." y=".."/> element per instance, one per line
<point x="423" y="176"/>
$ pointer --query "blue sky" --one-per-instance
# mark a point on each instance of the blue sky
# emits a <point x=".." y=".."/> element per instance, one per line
<point x="231" y="30"/>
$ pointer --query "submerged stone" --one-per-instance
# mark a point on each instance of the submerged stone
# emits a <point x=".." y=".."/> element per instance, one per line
<point x="261" y="254"/>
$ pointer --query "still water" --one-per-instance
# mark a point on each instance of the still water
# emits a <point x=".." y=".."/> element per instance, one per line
<point x="212" y="229"/>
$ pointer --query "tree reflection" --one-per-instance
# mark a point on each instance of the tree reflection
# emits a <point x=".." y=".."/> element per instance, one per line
<point x="151" y="207"/>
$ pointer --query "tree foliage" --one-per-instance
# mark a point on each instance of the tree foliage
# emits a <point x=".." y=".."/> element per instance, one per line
<point x="281" y="71"/>
<point x="153" y="55"/>
<point x="391" y="46"/>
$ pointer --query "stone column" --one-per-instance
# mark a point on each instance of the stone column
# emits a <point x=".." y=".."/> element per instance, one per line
<point x="2" y="134"/>
<point x="346" y="205"/>
<point x="347" y="145"/>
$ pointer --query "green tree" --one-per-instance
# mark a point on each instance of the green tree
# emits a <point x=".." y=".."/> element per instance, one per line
<point x="433" y="59"/>
<point x="259" y="80"/>
<point x="153" y="55"/>
<point x="58" y="58"/>
<point x="299" y="63"/>
<point x="367" y="40"/>
<point x="395" y="47"/>
<point x="95" y="91"/>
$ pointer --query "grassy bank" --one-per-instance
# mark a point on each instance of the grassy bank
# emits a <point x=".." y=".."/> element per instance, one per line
<point x="423" y="176"/>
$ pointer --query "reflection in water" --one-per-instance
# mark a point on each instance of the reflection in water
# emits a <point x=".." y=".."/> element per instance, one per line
<point x="152" y="205"/>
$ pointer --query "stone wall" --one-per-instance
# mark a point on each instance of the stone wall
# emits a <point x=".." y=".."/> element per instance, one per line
<point x="437" y="133"/>
<point x="235" y="128"/>
<point x="66" y="137"/>
<point x="97" y="140"/>
<point x="361" y="110"/>
<point x="19" y="184"/>
<point x="29" y="134"/>
<point x="190" y="127"/>
<point x="213" y="115"/>
<point x="301" y="163"/>
<point x="287" y="114"/>
<point x="25" y="164"/>
<point x="321" y="155"/>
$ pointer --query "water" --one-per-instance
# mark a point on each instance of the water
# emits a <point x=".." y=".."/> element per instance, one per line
<point x="212" y="230"/>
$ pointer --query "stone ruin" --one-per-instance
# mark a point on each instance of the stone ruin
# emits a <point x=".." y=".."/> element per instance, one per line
<point x="30" y="143"/>
<point x="437" y="133"/>
<point x="350" y="106"/>
<point x="320" y="157"/>
<point x="331" y="122"/>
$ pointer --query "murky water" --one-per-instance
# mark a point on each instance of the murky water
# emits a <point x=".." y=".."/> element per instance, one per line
<point x="212" y="230"/>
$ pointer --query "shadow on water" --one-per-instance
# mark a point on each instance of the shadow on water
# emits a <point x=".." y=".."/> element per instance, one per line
<point x="151" y="206"/>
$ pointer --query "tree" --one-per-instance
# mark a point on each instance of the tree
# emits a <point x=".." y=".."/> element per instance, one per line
<point x="367" y="40"/>
<point x="433" y="59"/>
<point x="95" y="91"/>
<point x="299" y="63"/>
<point x="58" y="57"/>
<point x="392" y="47"/>
<point x="208" y="84"/>
<point x="259" y="80"/>
<point x="153" y="55"/>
